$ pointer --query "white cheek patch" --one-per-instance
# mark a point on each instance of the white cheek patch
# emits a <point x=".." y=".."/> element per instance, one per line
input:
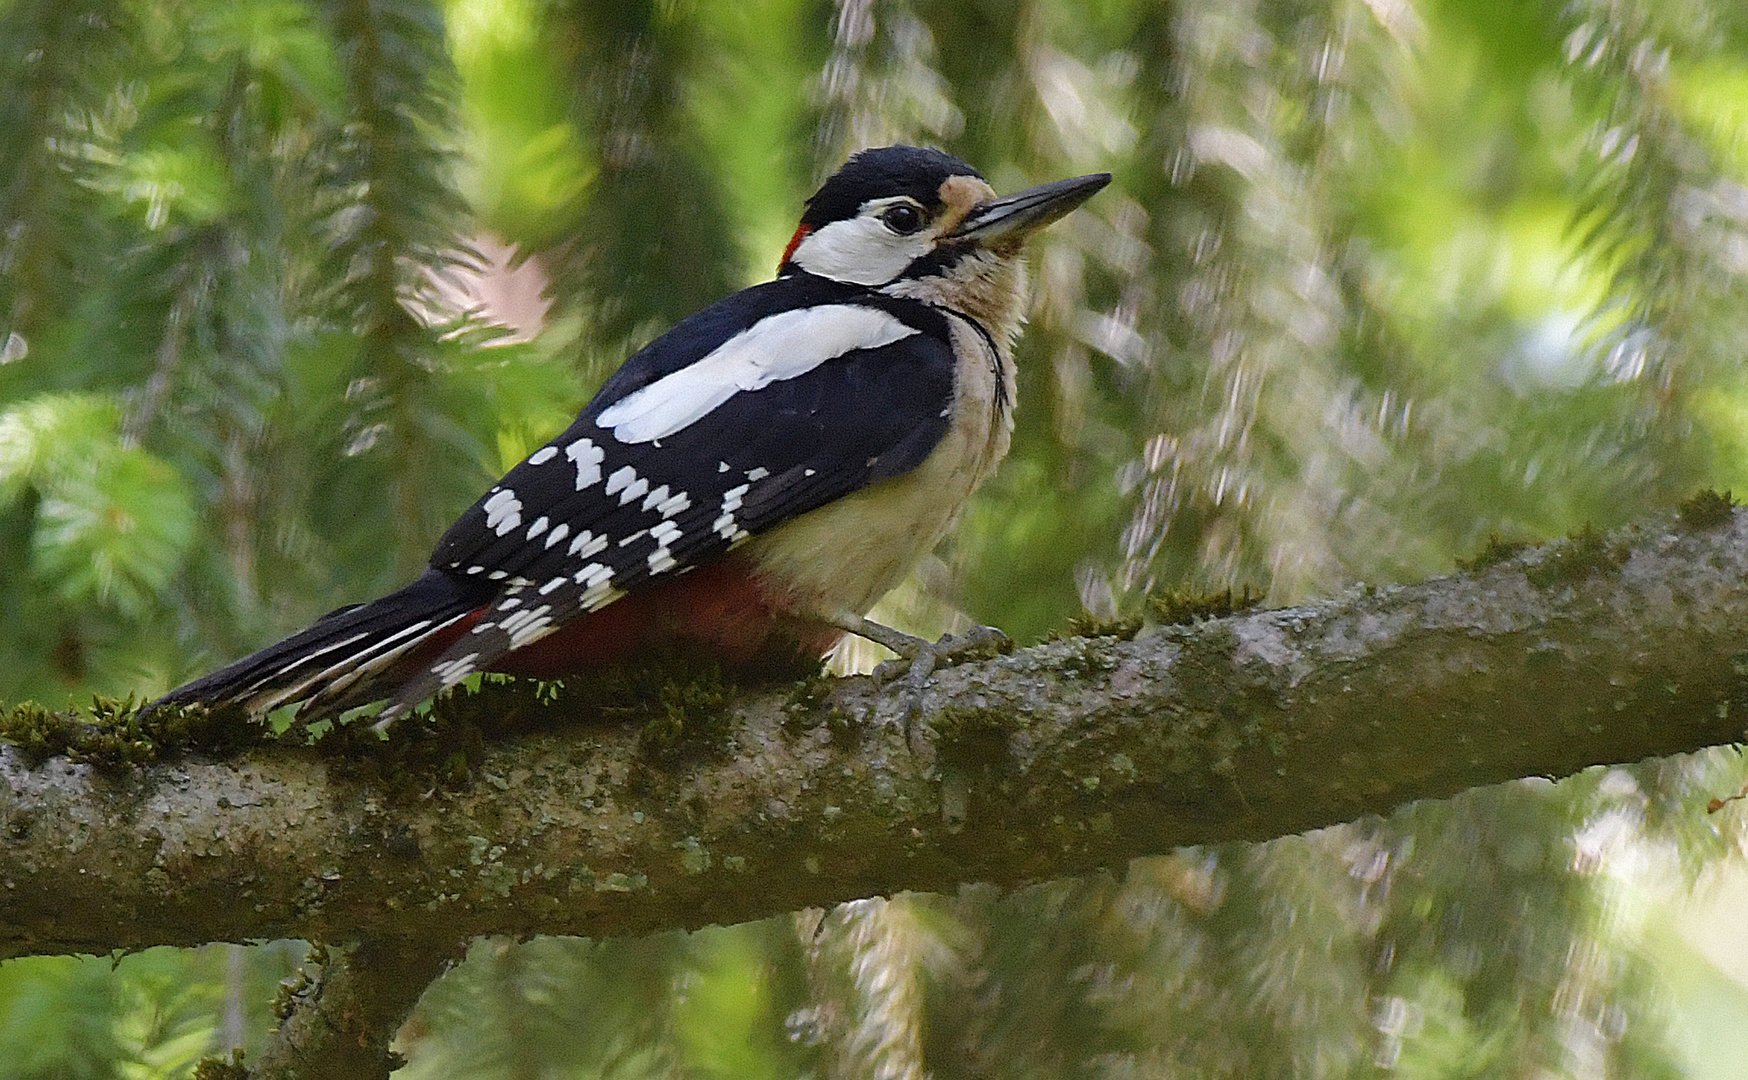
<point x="783" y="346"/>
<point x="860" y="250"/>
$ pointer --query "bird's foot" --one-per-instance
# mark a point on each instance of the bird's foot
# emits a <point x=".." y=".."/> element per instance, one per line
<point x="919" y="657"/>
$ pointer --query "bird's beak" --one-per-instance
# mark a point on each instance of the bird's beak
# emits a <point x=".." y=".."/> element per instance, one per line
<point x="1013" y="216"/>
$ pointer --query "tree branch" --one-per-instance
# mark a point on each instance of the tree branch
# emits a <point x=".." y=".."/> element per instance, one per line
<point x="1055" y="760"/>
<point x="342" y="1022"/>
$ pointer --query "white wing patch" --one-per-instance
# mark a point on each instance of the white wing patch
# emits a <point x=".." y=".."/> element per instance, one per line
<point x="786" y="345"/>
<point x="587" y="457"/>
<point x="725" y="525"/>
<point x="627" y="484"/>
<point x="503" y="512"/>
<point x="587" y="545"/>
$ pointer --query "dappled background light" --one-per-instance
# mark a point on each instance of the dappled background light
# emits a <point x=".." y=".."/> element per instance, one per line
<point x="285" y="283"/>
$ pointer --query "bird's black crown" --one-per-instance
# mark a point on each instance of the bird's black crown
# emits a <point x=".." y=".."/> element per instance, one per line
<point x="883" y="171"/>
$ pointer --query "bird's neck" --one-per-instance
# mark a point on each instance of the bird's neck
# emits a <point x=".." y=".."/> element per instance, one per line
<point x="987" y="286"/>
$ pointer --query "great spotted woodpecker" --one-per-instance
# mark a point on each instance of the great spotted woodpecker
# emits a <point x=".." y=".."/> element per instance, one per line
<point x="755" y="478"/>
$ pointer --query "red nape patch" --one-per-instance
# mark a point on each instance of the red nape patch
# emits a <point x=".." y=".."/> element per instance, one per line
<point x="794" y="242"/>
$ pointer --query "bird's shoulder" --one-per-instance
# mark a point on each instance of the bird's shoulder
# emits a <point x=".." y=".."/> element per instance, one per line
<point x="794" y="294"/>
<point x="762" y="406"/>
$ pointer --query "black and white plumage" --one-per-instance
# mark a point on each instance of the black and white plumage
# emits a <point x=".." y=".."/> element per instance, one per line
<point x="765" y="470"/>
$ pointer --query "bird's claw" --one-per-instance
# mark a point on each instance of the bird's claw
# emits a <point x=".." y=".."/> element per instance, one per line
<point x="912" y="672"/>
<point x="916" y="663"/>
<point x="919" y="657"/>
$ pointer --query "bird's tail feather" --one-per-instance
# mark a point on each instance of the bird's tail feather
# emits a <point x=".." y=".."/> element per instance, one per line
<point x="350" y="657"/>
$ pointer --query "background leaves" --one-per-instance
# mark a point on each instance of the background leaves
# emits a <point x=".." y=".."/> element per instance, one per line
<point x="284" y="284"/>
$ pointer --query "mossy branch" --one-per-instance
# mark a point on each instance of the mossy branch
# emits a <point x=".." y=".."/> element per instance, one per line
<point x="1055" y="760"/>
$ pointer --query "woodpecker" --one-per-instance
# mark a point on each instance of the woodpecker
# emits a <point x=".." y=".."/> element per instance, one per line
<point x="756" y="478"/>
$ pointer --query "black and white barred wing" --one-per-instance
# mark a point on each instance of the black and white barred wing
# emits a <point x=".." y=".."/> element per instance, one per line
<point x="779" y="418"/>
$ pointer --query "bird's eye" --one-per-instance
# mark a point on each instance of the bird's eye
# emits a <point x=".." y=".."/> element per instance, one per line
<point x="903" y="218"/>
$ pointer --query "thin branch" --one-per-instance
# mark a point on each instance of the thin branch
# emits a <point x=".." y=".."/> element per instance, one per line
<point x="343" y="1019"/>
<point x="1058" y="759"/>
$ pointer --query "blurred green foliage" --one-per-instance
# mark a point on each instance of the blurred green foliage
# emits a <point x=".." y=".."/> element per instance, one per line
<point x="1376" y="282"/>
<point x="148" y="1016"/>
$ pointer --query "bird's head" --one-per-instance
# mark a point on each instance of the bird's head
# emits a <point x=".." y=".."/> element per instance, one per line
<point x="911" y="220"/>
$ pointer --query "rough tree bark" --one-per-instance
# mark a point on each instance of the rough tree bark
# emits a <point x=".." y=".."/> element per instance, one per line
<point x="1058" y="759"/>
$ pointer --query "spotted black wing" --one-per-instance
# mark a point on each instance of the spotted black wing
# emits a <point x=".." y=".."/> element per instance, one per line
<point x="672" y="465"/>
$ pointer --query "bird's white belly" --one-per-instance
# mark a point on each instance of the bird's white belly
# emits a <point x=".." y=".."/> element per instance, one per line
<point x="847" y="554"/>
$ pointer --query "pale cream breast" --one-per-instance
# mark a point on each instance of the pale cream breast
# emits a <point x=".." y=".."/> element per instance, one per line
<point x="847" y="554"/>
